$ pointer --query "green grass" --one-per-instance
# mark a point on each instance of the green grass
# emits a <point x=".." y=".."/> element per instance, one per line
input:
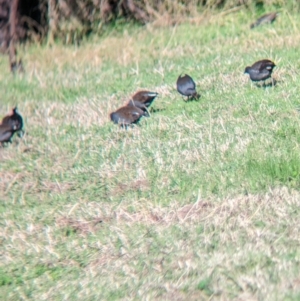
<point x="200" y="201"/>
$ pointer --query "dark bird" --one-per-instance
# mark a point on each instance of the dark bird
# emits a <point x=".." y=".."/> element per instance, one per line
<point x="143" y="107"/>
<point x="267" y="18"/>
<point x="145" y="97"/>
<point x="127" y="115"/>
<point x="7" y="131"/>
<point x="16" y="120"/>
<point x="260" y="71"/>
<point x="187" y="87"/>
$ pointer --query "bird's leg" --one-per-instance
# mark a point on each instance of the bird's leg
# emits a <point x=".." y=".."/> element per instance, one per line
<point x="273" y="84"/>
<point x="148" y="112"/>
<point x="195" y="96"/>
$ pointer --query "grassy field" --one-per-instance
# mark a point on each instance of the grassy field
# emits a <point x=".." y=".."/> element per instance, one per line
<point x="200" y="201"/>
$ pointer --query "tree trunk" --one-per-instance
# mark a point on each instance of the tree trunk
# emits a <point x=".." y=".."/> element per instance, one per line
<point x="12" y="34"/>
<point x="52" y="15"/>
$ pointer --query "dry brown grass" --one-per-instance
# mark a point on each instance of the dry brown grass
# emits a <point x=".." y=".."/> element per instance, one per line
<point x="241" y="210"/>
<point x="93" y="56"/>
<point x="227" y="219"/>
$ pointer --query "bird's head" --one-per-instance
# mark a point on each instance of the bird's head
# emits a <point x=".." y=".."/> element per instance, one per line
<point x="247" y="69"/>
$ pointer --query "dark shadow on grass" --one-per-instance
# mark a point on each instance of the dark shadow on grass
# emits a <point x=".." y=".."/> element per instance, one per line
<point x="152" y="110"/>
<point x="195" y="98"/>
<point x="271" y="83"/>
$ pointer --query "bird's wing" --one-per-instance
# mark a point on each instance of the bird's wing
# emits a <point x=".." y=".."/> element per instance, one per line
<point x="266" y="64"/>
<point x="5" y="133"/>
<point x="135" y="114"/>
